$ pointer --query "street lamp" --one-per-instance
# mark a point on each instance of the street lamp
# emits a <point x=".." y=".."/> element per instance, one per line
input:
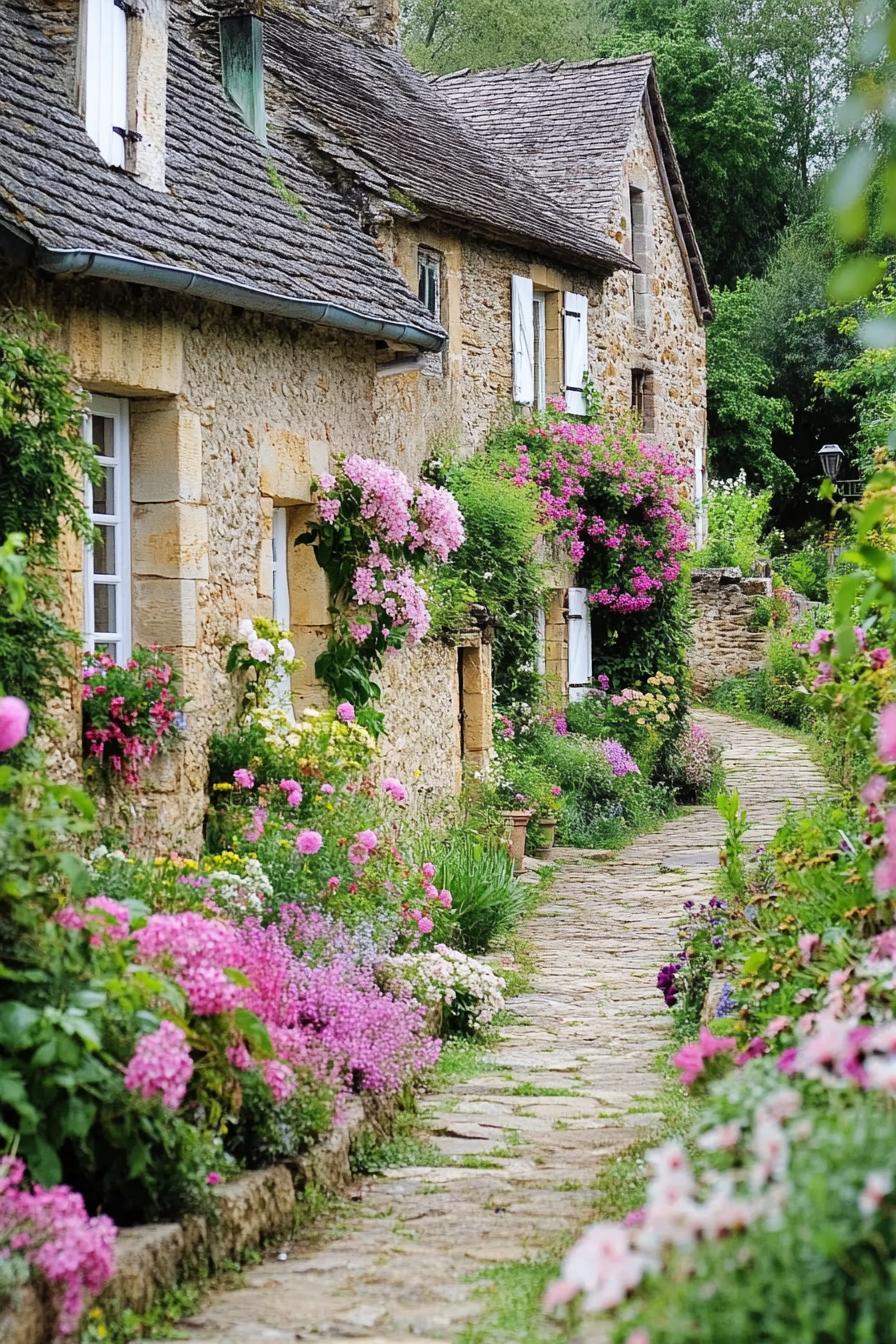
<point x="831" y="455"/>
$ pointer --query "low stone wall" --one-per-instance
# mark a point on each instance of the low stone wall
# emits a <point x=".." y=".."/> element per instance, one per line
<point x="724" y="644"/>
<point x="250" y="1212"/>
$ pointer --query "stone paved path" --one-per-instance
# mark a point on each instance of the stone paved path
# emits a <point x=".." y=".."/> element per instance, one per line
<point x="405" y="1267"/>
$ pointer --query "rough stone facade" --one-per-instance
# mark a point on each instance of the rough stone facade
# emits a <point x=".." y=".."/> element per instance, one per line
<point x="467" y="390"/>
<point x="230" y="415"/>
<point x="725" y="643"/>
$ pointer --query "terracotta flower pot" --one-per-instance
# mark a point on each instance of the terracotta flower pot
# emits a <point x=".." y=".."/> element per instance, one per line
<point x="515" y="835"/>
<point x="546" y="832"/>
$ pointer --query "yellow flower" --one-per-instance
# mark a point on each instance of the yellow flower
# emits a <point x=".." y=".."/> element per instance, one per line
<point x="221" y="788"/>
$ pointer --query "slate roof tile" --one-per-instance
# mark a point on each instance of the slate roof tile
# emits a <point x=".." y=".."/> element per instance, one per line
<point x="366" y="107"/>
<point x="222" y="215"/>
<point x="571" y="122"/>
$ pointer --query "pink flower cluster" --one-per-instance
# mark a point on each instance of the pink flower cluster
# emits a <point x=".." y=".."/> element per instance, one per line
<point x="330" y="1018"/>
<point x="634" y="534"/>
<point x="611" y="1259"/>
<point x="14" y="719"/>
<point x="50" y="1230"/>
<point x="398" y="523"/>
<point x="161" y="1065"/>
<point x="395" y="789"/>
<point x="129" y="712"/>
<point x="434" y="895"/>
<point x="696" y="756"/>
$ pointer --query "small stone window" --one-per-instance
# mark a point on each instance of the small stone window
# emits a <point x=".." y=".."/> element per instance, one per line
<point x="639" y="251"/>
<point x="642" y="398"/>
<point x="429" y="281"/>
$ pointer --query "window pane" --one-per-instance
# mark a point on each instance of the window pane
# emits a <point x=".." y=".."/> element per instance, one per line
<point x="105" y="607"/>
<point x="104" y="552"/>
<point x="104" y="492"/>
<point x="102" y="435"/>
<point x="108" y="646"/>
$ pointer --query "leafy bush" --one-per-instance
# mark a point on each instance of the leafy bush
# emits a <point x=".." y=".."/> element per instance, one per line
<point x="736" y="518"/>
<point x="806" y="571"/>
<point x="267" y="1131"/>
<point x="43" y="460"/>
<point x="487" y="900"/>
<point x="498" y="563"/>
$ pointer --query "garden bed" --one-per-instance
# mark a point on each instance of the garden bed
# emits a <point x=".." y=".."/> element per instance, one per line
<point x="252" y="1211"/>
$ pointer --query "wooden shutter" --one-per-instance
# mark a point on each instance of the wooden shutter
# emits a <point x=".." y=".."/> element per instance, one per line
<point x="575" y="351"/>
<point x="523" y="340"/>
<point x="105" y="76"/>
<point x="579" y="640"/>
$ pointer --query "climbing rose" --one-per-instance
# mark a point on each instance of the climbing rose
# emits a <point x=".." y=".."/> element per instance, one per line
<point x="345" y="712"/>
<point x="14" y="716"/>
<point x="309" y="842"/>
<point x="161" y="1065"/>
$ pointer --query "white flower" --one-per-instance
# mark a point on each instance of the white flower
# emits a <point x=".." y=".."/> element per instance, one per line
<point x="287" y="649"/>
<point x="262" y="650"/>
<point x="246" y="630"/>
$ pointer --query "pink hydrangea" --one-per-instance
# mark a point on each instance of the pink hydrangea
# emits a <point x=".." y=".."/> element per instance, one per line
<point x="161" y="1065"/>
<point x="113" y="919"/>
<point x="309" y="842"/>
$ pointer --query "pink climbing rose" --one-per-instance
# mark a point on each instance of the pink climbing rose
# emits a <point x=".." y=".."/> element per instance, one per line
<point x="14" y="718"/>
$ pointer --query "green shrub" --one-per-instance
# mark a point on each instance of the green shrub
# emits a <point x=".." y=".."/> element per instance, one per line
<point x="487" y="900"/>
<point x="806" y="571"/>
<point x="43" y="461"/>
<point x="736" y="517"/>
<point x="267" y="1131"/>
<point x="498" y="563"/>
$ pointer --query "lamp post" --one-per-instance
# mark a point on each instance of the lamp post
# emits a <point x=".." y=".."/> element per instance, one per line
<point x="831" y="455"/>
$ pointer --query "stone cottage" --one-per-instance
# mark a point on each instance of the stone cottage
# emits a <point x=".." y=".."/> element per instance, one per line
<point x="266" y="241"/>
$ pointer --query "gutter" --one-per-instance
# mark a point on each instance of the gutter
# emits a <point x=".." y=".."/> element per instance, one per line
<point x="177" y="280"/>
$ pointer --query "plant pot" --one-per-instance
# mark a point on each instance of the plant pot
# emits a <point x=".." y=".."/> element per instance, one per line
<point x="544" y="845"/>
<point x="515" y="835"/>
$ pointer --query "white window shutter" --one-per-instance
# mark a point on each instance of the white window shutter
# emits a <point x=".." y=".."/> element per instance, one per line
<point x="575" y="351"/>
<point x="541" y="642"/>
<point x="105" y="76"/>
<point x="523" y="340"/>
<point x="579" y="640"/>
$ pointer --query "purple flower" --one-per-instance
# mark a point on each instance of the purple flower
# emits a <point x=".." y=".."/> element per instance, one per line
<point x="618" y="759"/>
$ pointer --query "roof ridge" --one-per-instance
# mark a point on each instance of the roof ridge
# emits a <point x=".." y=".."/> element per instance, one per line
<point x="589" y="63"/>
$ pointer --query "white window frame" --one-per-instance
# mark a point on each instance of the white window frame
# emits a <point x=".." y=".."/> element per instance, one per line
<point x="104" y="76"/>
<point x="578" y="643"/>
<point x="114" y="409"/>
<point x="575" y="352"/>
<point x="522" y="313"/>
<point x="280" y="605"/>
<point x="539" y="349"/>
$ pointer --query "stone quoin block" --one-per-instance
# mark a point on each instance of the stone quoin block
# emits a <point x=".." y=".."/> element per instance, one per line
<point x="170" y="541"/>
<point x="166" y="453"/>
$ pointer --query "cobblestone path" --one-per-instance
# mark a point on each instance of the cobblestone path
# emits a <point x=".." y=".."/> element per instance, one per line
<point x="408" y="1265"/>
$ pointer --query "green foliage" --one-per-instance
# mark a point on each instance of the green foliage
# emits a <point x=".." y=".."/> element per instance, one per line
<point x="736" y="517"/>
<point x="743" y="416"/>
<point x="868" y="378"/>
<point x="734" y="850"/>
<point x="43" y="460"/>
<point x="487" y="900"/>
<point x="806" y="570"/>
<point x="777" y="691"/>
<point x="748" y="1288"/>
<point x="498" y="563"/>
<point x="266" y="1131"/>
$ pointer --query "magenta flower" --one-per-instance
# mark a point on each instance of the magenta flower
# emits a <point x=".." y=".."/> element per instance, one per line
<point x="327" y="788"/>
<point x="429" y="871"/>
<point x="556" y="790"/>
<point x="808" y="944"/>
<point x="213" y="1178"/>
<point x="395" y="789"/>
<point x="345" y="712"/>
<point x="874" y="790"/>
<point x="161" y="1065"/>
<point x="879" y="658"/>
<point x="425" y="924"/>
<point x="367" y="839"/>
<point x="14" y="717"/>
<point x="309" y="842"/>
<point x="886" y="735"/>
<point x="244" y="779"/>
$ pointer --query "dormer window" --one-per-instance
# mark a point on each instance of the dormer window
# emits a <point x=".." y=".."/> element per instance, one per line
<point x="429" y="281"/>
<point x="104" y="76"/>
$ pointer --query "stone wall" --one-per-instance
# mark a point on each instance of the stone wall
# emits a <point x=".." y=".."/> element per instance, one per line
<point x="466" y="392"/>
<point x="230" y="415"/>
<point x="724" y="644"/>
